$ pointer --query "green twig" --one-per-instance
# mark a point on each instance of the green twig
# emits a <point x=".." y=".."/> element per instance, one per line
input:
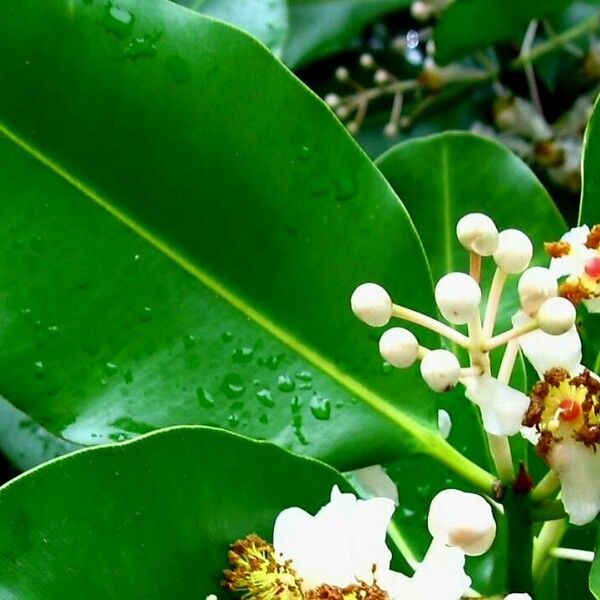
<point x="519" y="542"/>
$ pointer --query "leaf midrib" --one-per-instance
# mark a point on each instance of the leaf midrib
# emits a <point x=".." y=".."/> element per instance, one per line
<point x="416" y="430"/>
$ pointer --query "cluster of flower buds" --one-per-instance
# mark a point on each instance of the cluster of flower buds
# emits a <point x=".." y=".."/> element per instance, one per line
<point x="458" y="297"/>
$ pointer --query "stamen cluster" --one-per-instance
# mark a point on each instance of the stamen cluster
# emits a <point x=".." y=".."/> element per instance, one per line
<point x="565" y="407"/>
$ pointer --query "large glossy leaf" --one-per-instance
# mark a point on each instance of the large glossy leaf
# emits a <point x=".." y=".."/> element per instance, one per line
<point x="322" y="27"/>
<point x="265" y="20"/>
<point x="468" y="25"/>
<point x="183" y="230"/>
<point x="148" y="519"/>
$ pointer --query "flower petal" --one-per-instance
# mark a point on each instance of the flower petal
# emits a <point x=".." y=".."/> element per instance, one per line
<point x="577" y="467"/>
<point x="573" y="263"/>
<point x="441" y="575"/>
<point x="341" y="544"/>
<point x="576" y="236"/>
<point x="502" y="407"/>
<point x="593" y="305"/>
<point x="375" y="482"/>
<point x="545" y="351"/>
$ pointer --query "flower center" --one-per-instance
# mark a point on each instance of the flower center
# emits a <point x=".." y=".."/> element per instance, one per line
<point x="592" y="267"/>
<point x="569" y="410"/>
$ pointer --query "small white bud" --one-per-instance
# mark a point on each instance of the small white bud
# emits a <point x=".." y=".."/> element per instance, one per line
<point x="556" y="316"/>
<point x="332" y="100"/>
<point x="342" y="112"/>
<point x="390" y="130"/>
<point x="366" y="61"/>
<point x="514" y="251"/>
<point x="517" y="597"/>
<point x="536" y="285"/>
<point x="381" y="76"/>
<point x="352" y="127"/>
<point x="399" y="347"/>
<point x="440" y="369"/>
<point x="462" y="520"/>
<point x="444" y="423"/>
<point x="421" y="11"/>
<point x="372" y="304"/>
<point x="458" y="296"/>
<point x="478" y="233"/>
<point x="342" y="74"/>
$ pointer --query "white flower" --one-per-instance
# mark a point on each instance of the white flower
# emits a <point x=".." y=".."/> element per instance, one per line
<point x="374" y="482"/>
<point x="502" y="407"/>
<point x="563" y="411"/>
<point x="577" y="256"/>
<point x="545" y="351"/>
<point x="344" y="543"/>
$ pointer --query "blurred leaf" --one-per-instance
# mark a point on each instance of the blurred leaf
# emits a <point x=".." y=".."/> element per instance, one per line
<point x="190" y="253"/>
<point x="319" y="28"/>
<point x="469" y="25"/>
<point x="148" y="519"/>
<point x="266" y="20"/>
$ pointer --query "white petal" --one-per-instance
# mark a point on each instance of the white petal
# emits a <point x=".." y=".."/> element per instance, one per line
<point x="375" y="482"/>
<point x="576" y="236"/>
<point x="518" y="597"/>
<point x="577" y="468"/>
<point x="441" y="575"/>
<point x="546" y="351"/>
<point x="502" y="407"/>
<point x="340" y="544"/>
<point x="592" y="305"/>
<point x="531" y="434"/>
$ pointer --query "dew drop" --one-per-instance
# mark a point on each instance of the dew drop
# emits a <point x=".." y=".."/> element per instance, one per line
<point x="39" y="369"/>
<point x="117" y="21"/>
<point x="233" y="386"/>
<point x="320" y="407"/>
<point x="189" y="341"/>
<point x="272" y="362"/>
<point x="242" y="355"/>
<point x="285" y="383"/>
<point x="110" y="368"/>
<point x="146" y="314"/>
<point x="226" y="336"/>
<point x="304" y="376"/>
<point x="233" y="419"/>
<point x="387" y="368"/>
<point x="143" y="46"/>
<point x="205" y="398"/>
<point x="265" y="398"/>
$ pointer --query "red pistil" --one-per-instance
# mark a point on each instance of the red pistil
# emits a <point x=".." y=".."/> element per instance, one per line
<point x="592" y="267"/>
<point x="569" y="410"/>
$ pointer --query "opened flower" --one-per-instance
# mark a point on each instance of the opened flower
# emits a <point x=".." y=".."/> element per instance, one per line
<point x="341" y="552"/>
<point x="577" y="256"/>
<point x="565" y="412"/>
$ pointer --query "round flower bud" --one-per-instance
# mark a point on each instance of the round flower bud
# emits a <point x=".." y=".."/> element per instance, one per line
<point x="556" y="316"/>
<point x="514" y="251"/>
<point x="536" y="285"/>
<point x="458" y="296"/>
<point x="332" y="100"/>
<point x="366" y="61"/>
<point x="444" y="423"/>
<point x="399" y="347"/>
<point x="342" y="74"/>
<point x="421" y="11"/>
<point x="440" y="369"/>
<point x="478" y="233"/>
<point x="462" y="520"/>
<point x="372" y="304"/>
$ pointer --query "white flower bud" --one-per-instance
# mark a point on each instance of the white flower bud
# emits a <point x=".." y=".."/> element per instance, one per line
<point x="440" y="369"/>
<point x="462" y="520"/>
<point x="478" y="233"/>
<point x="421" y="11"/>
<point x="342" y="74"/>
<point x="458" y="296"/>
<point x="390" y="130"/>
<point x="372" y="304"/>
<point x="556" y="316"/>
<point x="332" y="100"/>
<point x="366" y="61"/>
<point x="514" y="251"/>
<point x="536" y="285"/>
<point x="399" y="347"/>
<point x="381" y="77"/>
<point x="517" y="597"/>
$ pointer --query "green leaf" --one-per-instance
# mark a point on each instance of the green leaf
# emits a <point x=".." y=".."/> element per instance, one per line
<point x="594" y="578"/>
<point x="191" y="224"/>
<point x="148" y="519"/>
<point x="267" y="21"/>
<point x="25" y="443"/>
<point x="319" y="28"/>
<point x="589" y="210"/>
<point x="469" y="25"/>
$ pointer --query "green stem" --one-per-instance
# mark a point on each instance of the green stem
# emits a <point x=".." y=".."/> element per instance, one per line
<point x="586" y="26"/>
<point x="546" y="488"/>
<point x="548" y="511"/>
<point x="519" y="542"/>
<point x="548" y="538"/>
